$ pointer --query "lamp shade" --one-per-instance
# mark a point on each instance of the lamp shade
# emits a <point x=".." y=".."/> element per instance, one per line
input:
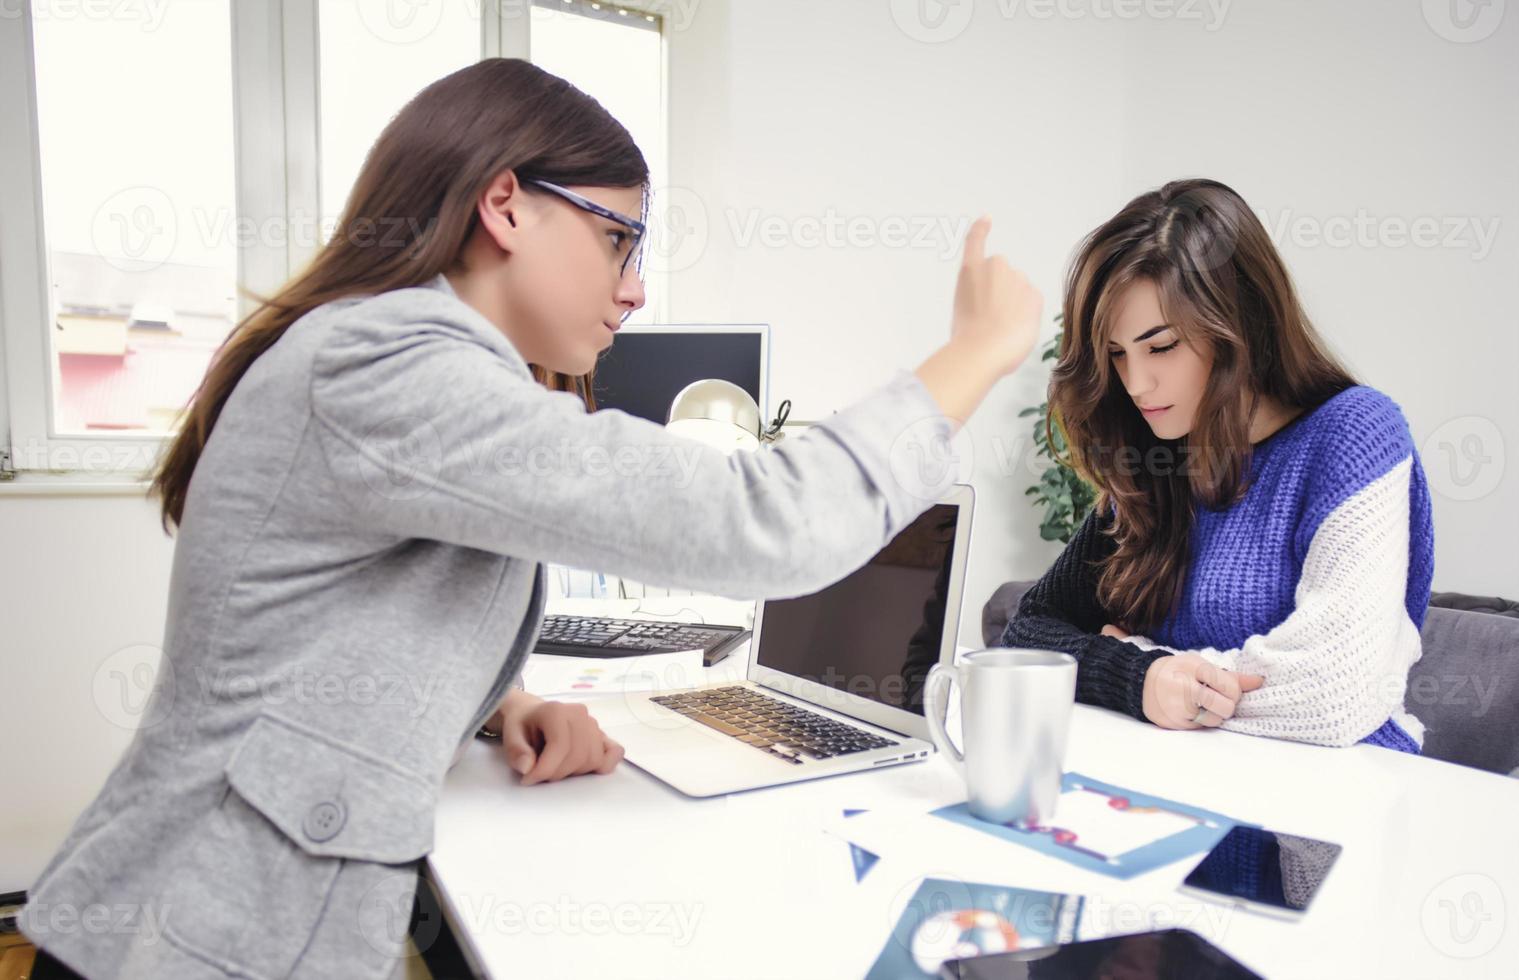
<point x="717" y="413"/>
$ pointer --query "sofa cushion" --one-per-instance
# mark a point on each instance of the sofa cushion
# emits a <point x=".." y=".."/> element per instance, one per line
<point x="1466" y="689"/>
<point x="999" y="609"/>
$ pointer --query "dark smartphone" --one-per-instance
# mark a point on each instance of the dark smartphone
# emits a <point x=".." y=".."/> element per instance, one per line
<point x="1170" y="954"/>
<point x="1263" y="871"/>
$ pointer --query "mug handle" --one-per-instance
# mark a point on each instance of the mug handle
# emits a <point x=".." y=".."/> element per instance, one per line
<point x="936" y="710"/>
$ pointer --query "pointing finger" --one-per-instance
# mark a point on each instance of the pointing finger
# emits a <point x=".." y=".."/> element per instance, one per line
<point x="975" y="240"/>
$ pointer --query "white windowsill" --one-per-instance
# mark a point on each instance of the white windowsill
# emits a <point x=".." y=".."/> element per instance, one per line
<point x="36" y="483"/>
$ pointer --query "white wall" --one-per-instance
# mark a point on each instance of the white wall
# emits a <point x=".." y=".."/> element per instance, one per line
<point x="789" y="109"/>
<point x="831" y="110"/>
<point x="1364" y="110"/>
<point x="1050" y="124"/>
<point x="85" y="582"/>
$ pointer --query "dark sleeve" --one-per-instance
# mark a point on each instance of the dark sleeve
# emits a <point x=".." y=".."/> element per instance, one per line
<point x="1061" y="613"/>
<point x="923" y="648"/>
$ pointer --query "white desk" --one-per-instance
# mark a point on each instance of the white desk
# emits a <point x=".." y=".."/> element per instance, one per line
<point x="619" y="875"/>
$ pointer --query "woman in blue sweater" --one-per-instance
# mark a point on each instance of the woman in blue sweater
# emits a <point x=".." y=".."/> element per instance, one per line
<point x="1261" y="552"/>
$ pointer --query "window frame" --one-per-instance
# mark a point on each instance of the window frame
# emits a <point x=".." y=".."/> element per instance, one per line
<point x="277" y="152"/>
<point x="659" y="311"/>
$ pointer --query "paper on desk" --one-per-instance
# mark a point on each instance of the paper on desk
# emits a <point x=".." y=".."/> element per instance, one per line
<point x="549" y="675"/>
<point x="887" y="930"/>
<point x="950" y="918"/>
<point x="1097" y="827"/>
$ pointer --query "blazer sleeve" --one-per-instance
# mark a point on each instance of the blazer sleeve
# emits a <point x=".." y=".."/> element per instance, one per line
<point x="430" y="434"/>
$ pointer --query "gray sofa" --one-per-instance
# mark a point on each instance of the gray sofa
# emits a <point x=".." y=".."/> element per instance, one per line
<point x="1465" y="688"/>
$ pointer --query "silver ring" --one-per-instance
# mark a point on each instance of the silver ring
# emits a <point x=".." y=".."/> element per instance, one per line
<point x="1198" y="718"/>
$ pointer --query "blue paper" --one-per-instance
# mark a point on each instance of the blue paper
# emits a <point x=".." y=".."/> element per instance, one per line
<point x="863" y="861"/>
<point x="1065" y="844"/>
<point x="948" y="919"/>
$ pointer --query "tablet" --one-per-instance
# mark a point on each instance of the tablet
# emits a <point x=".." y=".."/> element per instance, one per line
<point x="1263" y="871"/>
<point x="1170" y="954"/>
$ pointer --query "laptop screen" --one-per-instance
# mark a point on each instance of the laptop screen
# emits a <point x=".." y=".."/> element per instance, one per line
<point x="877" y="632"/>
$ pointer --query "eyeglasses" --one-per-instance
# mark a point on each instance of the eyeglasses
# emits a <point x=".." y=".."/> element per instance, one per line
<point x="635" y="227"/>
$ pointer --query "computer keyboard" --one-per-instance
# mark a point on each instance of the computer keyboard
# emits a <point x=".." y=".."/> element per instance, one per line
<point x="771" y="725"/>
<point x="598" y="636"/>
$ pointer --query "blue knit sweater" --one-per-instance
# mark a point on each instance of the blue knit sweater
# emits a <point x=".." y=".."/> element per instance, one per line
<point x="1318" y="578"/>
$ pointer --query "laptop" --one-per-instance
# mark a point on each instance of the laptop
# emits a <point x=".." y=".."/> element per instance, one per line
<point x="835" y="678"/>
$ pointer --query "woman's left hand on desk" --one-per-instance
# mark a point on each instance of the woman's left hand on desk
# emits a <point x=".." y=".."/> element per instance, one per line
<point x="546" y="741"/>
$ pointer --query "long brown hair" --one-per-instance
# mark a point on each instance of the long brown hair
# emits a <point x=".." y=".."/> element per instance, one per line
<point x="411" y="211"/>
<point x="1224" y="288"/>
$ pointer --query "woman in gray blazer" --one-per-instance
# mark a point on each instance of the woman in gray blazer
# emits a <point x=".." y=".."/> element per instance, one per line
<point x="370" y="479"/>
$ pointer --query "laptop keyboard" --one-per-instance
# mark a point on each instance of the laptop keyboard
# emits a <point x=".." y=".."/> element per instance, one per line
<point x="782" y="729"/>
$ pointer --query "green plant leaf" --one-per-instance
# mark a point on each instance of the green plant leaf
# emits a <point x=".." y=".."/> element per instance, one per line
<point x="1061" y="494"/>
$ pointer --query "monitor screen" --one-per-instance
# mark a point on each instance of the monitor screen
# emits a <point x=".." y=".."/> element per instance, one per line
<point x="877" y="632"/>
<point x="646" y="367"/>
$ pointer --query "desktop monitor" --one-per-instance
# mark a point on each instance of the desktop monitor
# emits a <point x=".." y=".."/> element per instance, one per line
<point x="648" y="365"/>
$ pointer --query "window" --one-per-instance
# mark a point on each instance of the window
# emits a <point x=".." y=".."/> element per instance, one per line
<point x="374" y="58"/>
<point x="138" y="205"/>
<point x="616" y="56"/>
<point x="163" y="163"/>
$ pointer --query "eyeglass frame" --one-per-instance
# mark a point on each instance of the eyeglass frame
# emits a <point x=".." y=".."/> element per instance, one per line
<point x="638" y="228"/>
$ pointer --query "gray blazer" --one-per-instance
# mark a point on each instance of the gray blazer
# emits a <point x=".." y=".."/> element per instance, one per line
<point x="358" y="577"/>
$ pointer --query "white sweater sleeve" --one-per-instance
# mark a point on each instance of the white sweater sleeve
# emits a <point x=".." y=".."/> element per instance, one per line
<point x="1337" y="667"/>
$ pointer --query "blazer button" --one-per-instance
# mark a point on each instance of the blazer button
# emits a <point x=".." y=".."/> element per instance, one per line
<point x="323" y="821"/>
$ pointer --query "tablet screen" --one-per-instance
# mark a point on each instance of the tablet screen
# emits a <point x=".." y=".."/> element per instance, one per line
<point x="1172" y="954"/>
<point x="1267" y="868"/>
